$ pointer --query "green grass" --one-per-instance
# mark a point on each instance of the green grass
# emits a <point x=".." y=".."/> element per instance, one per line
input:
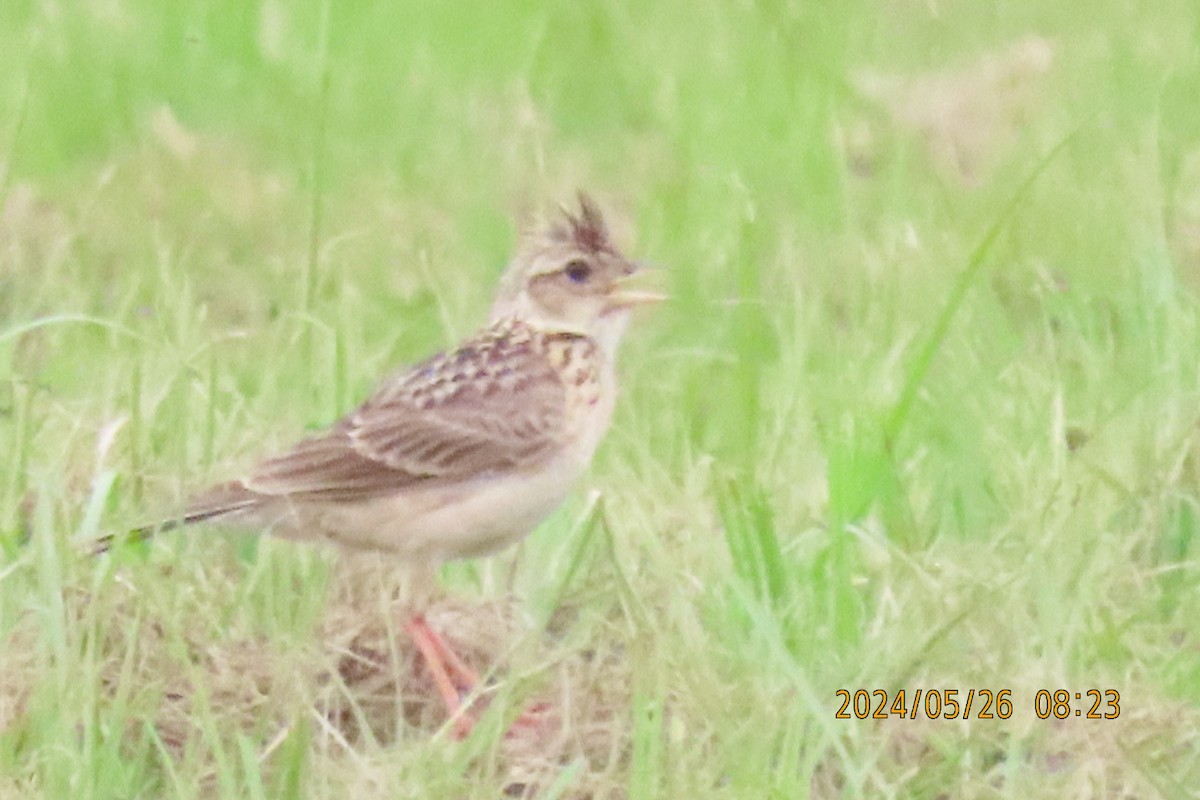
<point x="922" y="413"/>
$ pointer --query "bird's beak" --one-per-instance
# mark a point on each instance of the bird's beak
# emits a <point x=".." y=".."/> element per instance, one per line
<point x="639" y="289"/>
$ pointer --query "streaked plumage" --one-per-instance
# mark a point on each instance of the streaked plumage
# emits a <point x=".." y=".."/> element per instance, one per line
<point x="470" y="449"/>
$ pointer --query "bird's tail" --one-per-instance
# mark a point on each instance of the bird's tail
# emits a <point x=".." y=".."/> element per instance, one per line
<point x="223" y="500"/>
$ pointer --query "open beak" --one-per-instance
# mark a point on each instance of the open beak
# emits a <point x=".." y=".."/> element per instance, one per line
<point x="639" y="289"/>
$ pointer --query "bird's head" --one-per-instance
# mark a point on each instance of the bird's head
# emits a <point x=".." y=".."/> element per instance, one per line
<point x="568" y="276"/>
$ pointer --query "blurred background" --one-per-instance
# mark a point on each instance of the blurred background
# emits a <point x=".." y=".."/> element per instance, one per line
<point x="922" y="412"/>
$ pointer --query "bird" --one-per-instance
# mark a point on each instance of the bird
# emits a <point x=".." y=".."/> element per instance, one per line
<point x="469" y="450"/>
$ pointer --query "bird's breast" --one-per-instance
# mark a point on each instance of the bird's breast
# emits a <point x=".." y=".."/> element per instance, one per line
<point x="589" y="393"/>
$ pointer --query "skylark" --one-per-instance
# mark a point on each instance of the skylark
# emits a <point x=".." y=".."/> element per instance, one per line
<point x="469" y="450"/>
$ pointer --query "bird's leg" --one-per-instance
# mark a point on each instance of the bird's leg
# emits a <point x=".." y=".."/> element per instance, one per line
<point x="451" y="674"/>
<point x="455" y="680"/>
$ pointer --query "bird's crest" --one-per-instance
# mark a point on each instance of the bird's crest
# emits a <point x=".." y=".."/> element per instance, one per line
<point x="584" y="229"/>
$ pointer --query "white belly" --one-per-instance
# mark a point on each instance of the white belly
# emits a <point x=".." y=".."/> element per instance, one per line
<point x="435" y="524"/>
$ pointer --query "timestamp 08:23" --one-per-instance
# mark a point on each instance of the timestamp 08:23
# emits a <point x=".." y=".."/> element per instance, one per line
<point x="975" y="703"/>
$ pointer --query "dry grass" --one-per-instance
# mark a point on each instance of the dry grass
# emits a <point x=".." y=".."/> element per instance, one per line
<point x="356" y="680"/>
<point x="967" y="118"/>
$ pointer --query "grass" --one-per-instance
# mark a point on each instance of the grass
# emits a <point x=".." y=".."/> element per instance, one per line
<point x="922" y="413"/>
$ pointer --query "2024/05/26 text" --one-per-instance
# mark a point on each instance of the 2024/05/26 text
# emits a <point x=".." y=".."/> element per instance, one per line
<point x="985" y="703"/>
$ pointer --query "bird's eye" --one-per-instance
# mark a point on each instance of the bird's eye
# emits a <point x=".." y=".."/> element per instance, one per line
<point x="578" y="271"/>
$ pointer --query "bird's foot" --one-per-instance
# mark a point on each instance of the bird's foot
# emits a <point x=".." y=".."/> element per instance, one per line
<point x="533" y="722"/>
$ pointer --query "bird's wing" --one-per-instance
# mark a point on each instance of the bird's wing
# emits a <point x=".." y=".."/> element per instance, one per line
<point x="493" y="405"/>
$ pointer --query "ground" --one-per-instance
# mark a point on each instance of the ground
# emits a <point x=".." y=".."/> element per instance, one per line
<point x="921" y="414"/>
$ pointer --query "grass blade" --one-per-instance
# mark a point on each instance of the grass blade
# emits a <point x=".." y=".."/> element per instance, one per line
<point x="933" y="342"/>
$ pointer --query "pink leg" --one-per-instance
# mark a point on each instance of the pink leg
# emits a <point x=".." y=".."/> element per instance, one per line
<point x="451" y="675"/>
<point x="454" y="679"/>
